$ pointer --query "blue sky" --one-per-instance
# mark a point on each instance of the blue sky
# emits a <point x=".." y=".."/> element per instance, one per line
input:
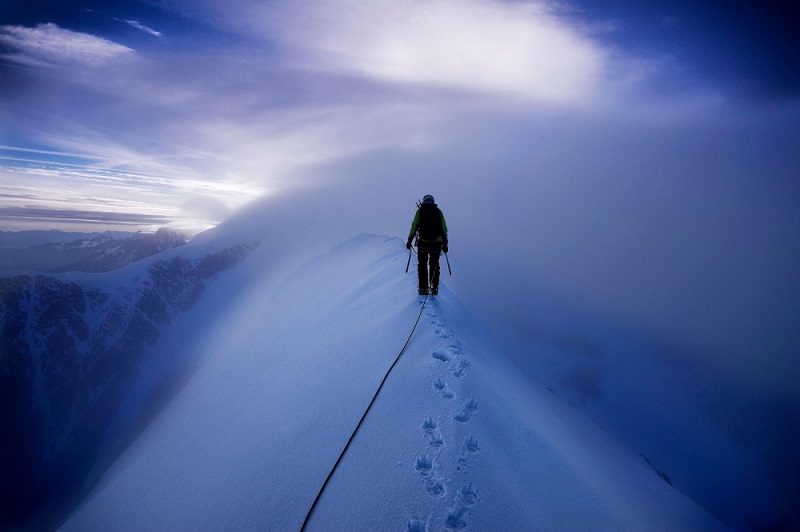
<point x="638" y="159"/>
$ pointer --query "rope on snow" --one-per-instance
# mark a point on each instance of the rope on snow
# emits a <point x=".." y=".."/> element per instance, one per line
<point x="352" y="436"/>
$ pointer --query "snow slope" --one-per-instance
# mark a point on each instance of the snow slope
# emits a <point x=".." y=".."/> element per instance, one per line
<point x="456" y="439"/>
<point x="75" y="377"/>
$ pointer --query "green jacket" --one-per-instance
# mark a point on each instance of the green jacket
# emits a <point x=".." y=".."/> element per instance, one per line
<point x="415" y="227"/>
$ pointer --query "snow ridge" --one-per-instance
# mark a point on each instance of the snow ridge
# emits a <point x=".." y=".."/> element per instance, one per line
<point x="456" y="440"/>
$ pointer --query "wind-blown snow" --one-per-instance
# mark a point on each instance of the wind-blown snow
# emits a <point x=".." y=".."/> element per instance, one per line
<point x="458" y="438"/>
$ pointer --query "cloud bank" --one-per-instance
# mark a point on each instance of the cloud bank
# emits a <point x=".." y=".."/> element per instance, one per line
<point x="512" y="49"/>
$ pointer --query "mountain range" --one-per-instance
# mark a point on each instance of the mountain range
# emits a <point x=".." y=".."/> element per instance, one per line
<point x="91" y="252"/>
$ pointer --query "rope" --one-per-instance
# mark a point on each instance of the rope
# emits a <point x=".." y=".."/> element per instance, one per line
<point x="347" y="445"/>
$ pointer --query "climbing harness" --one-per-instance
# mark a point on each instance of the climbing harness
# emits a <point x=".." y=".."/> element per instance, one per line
<point x="335" y="465"/>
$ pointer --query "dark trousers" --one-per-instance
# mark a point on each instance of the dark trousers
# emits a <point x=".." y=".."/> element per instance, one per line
<point x="428" y="268"/>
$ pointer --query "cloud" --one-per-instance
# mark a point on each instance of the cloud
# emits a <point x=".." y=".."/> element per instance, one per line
<point x="73" y="215"/>
<point x="139" y="26"/>
<point x="48" y="44"/>
<point x="522" y="50"/>
<point x="50" y="189"/>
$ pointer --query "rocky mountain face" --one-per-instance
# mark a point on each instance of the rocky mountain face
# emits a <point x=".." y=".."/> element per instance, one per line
<point x="96" y="252"/>
<point x="70" y="356"/>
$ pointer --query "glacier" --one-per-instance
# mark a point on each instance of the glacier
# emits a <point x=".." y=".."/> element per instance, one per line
<point x="286" y="355"/>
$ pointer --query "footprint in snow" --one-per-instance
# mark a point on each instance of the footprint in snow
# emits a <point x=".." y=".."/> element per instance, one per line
<point x="465" y="498"/>
<point x="436" y="488"/>
<point x="471" y="445"/>
<point x="469" y="408"/>
<point x="469" y="448"/>
<point x="431" y="429"/>
<point x="441" y="355"/>
<point x="443" y="388"/>
<point x="455" y="518"/>
<point x="426" y="468"/>
<point x="461" y="368"/>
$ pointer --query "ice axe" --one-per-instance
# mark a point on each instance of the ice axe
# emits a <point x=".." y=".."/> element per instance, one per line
<point x="410" y="251"/>
<point x="448" y="264"/>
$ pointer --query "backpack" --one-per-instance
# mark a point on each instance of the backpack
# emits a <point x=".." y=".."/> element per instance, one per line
<point x="430" y="222"/>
